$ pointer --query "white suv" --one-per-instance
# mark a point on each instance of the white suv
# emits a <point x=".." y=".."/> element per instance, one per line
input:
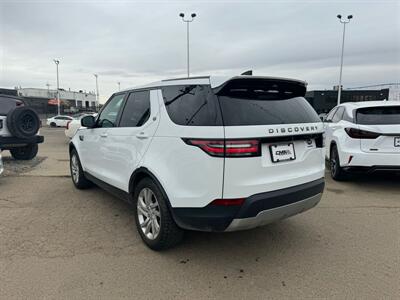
<point x="204" y="154"/>
<point x="363" y="136"/>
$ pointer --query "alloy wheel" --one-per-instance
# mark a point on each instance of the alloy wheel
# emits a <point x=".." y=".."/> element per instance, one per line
<point x="148" y="211"/>
<point x="75" y="168"/>
<point x="333" y="162"/>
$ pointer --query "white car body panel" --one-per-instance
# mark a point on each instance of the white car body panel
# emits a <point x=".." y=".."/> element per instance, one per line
<point x="189" y="176"/>
<point x="73" y="127"/>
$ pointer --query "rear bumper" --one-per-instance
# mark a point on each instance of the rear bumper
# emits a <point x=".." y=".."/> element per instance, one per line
<point x="368" y="159"/>
<point x="372" y="169"/>
<point x="12" y="142"/>
<point x="257" y="210"/>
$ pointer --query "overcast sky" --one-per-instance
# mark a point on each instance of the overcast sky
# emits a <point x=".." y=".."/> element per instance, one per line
<point x="137" y="42"/>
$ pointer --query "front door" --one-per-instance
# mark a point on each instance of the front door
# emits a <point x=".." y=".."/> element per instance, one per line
<point x="93" y="141"/>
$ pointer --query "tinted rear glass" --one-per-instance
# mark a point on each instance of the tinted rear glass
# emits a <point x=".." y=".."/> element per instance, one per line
<point x="192" y="105"/>
<point x="265" y="102"/>
<point x="7" y="104"/>
<point x="385" y="115"/>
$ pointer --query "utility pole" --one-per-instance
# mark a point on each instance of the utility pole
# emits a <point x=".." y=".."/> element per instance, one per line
<point x="187" y="21"/>
<point x="344" y="22"/>
<point x="57" y="62"/>
<point x="119" y="86"/>
<point x="97" y="89"/>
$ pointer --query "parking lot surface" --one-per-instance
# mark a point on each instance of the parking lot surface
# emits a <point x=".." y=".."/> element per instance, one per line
<point x="59" y="242"/>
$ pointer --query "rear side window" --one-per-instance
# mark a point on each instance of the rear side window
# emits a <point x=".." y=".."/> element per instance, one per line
<point x="192" y="105"/>
<point x="137" y="109"/>
<point x="331" y="114"/>
<point x="338" y="115"/>
<point x="265" y="102"/>
<point x="384" y="115"/>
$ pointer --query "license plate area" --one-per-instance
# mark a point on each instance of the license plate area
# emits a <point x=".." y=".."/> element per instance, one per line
<point x="397" y="141"/>
<point x="282" y="152"/>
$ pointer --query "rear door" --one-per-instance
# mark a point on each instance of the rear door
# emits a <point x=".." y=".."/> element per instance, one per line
<point x="385" y="122"/>
<point x="273" y="115"/>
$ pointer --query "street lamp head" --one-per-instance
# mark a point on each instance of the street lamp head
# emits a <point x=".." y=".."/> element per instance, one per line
<point x="350" y="17"/>
<point x="339" y="16"/>
<point x="193" y="15"/>
<point x="182" y="15"/>
<point x="56" y="61"/>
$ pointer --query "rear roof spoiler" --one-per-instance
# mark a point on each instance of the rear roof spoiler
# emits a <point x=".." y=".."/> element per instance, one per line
<point x="294" y="87"/>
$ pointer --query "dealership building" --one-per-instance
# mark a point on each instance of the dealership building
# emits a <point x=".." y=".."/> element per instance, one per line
<point x="44" y="101"/>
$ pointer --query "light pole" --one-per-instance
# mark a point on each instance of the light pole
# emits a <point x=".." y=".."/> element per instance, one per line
<point x="187" y="21"/>
<point x="119" y="86"/>
<point x="97" y="89"/>
<point x="57" y="62"/>
<point x="344" y="22"/>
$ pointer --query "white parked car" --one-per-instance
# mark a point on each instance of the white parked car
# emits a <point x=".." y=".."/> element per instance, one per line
<point x="363" y="136"/>
<point x="73" y="126"/>
<point x="204" y="154"/>
<point x="59" y="121"/>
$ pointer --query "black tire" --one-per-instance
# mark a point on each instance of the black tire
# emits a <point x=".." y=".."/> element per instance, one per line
<point x="77" y="175"/>
<point x="23" y="122"/>
<point x="169" y="233"/>
<point x="337" y="172"/>
<point x="52" y="124"/>
<point x="25" y="153"/>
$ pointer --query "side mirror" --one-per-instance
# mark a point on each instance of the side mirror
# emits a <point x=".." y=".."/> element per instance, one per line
<point x="322" y="118"/>
<point x="88" y="121"/>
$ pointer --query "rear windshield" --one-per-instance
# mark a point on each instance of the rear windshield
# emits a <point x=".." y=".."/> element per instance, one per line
<point x="265" y="102"/>
<point x="385" y="115"/>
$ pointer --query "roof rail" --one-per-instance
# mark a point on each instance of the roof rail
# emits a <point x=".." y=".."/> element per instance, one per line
<point x="186" y="78"/>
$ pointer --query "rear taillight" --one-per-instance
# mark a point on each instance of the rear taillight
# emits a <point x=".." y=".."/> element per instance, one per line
<point x="227" y="148"/>
<point x="68" y="124"/>
<point x="361" y="134"/>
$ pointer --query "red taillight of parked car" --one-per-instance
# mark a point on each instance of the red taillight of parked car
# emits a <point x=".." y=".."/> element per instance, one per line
<point x="227" y="148"/>
<point x="361" y="134"/>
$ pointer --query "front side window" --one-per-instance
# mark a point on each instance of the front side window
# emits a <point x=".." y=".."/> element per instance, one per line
<point x="331" y="114"/>
<point x="192" y="105"/>
<point x="137" y="109"/>
<point x="383" y="115"/>
<point x="109" y="114"/>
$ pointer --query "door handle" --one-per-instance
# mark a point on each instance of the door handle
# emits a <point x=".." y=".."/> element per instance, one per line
<point x="103" y="135"/>
<point x="142" y="135"/>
